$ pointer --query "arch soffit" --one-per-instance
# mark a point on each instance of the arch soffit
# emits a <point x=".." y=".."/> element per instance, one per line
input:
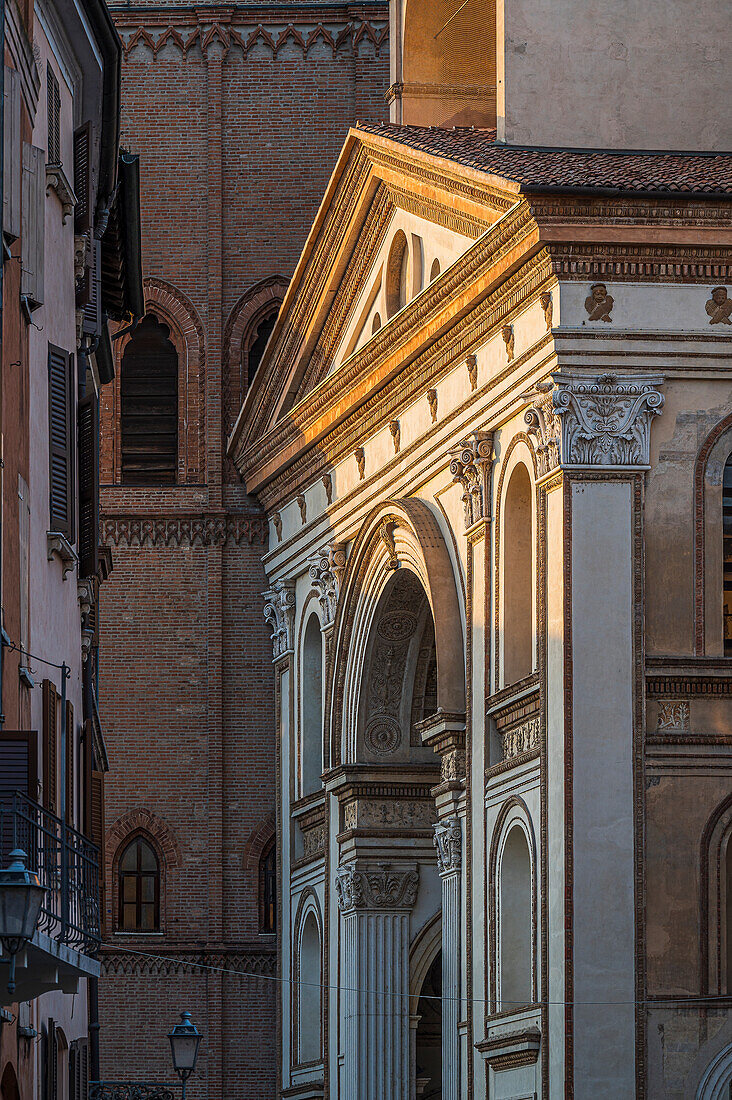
<point x="308" y="903"/>
<point x="422" y="954"/>
<point x="421" y="548"/>
<point x="709" y="454"/>
<point x="267" y="291"/>
<point x="715" y="836"/>
<point x="713" y="1077"/>
<point x="179" y="313"/>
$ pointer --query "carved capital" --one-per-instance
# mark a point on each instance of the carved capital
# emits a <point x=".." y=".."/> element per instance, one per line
<point x="593" y="420"/>
<point x="380" y="888"/>
<point x="279" y="611"/>
<point x="470" y="464"/>
<point x="326" y="571"/>
<point x="448" y="842"/>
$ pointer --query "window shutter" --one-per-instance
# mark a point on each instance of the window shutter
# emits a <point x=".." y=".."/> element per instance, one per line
<point x="50" y="697"/>
<point x="33" y="225"/>
<point x="97" y="834"/>
<point x="51" y="1062"/>
<point x="70" y="742"/>
<point x="18" y="752"/>
<point x="24" y="563"/>
<point x="54" y="116"/>
<point x="88" y="736"/>
<point x="12" y="141"/>
<point x="88" y="431"/>
<point x="92" y="324"/>
<point x="83" y="1070"/>
<point x="82" y="178"/>
<point x="60" y="416"/>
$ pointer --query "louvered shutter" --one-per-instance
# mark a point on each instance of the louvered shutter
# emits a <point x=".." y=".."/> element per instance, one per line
<point x="82" y="178"/>
<point x="13" y="161"/>
<point x="50" y="750"/>
<point x="91" y="296"/>
<point x="83" y="1064"/>
<point x="88" y="432"/>
<point x="97" y="835"/>
<point x="51" y="1062"/>
<point x="60" y="415"/>
<point x="54" y="116"/>
<point x="70" y="742"/>
<point x="88" y="774"/>
<point x="33" y="223"/>
<point x="18" y="752"/>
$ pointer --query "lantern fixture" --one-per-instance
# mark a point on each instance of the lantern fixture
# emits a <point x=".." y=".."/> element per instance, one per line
<point x="21" y="898"/>
<point x="184" y="1041"/>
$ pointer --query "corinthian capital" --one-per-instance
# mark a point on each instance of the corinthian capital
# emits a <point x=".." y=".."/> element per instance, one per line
<point x="279" y="611"/>
<point x="448" y="842"/>
<point x="326" y="572"/>
<point x="470" y="464"/>
<point x="377" y="888"/>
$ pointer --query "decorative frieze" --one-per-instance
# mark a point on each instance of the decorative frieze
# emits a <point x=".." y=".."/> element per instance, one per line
<point x="594" y="420"/>
<point x="470" y="464"/>
<point x="279" y="612"/>
<point x="326" y="571"/>
<point x="521" y="739"/>
<point x="183" y="531"/>
<point x="674" y="715"/>
<point x="448" y="842"/>
<point x="378" y="888"/>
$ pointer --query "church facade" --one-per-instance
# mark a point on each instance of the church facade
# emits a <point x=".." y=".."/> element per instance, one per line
<point x="492" y="434"/>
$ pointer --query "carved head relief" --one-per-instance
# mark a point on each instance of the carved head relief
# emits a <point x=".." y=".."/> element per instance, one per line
<point x="599" y="303"/>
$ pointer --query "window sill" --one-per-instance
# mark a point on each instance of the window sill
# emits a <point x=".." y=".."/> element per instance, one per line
<point x="59" y="545"/>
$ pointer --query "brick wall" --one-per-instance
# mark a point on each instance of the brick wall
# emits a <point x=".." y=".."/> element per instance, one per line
<point x="238" y="123"/>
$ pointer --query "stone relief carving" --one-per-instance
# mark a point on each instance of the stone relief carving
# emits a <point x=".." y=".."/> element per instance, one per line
<point x="381" y="888"/>
<point x="277" y="521"/>
<point x="547" y="305"/>
<point x="470" y="465"/>
<point x="302" y="505"/>
<point x="360" y="455"/>
<point x="326" y="572"/>
<point x="432" y="402"/>
<point x="383" y="734"/>
<point x="719" y="307"/>
<point x="508" y="339"/>
<point x="599" y="303"/>
<point x="313" y="842"/>
<point x="396" y="435"/>
<point x="472" y="364"/>
<point x="386" y="534"/>
<point x="452" y="766"/>
<point x="370" y="813"/>
<point x="674" y="715"/>
<point x="588" y="420"/>
<point x="448" y="842"/>
<point x="328" y="486"/>
<point x="521" y="739"/>
<point x="183" y="531"/>
<point x="606" y="421"/>
<point x="279" y="612"/>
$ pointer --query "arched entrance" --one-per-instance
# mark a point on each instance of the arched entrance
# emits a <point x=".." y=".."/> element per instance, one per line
<point x="428" y="1041"/>
<point x="9" y="1084"/>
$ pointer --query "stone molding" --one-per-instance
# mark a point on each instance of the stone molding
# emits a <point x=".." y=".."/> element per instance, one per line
<point x="470" y="464"/>
<point x="326" y="570"/>
<point x="521" y="739"/>
<point x="187" y="962"/>
<point x="200" y="530"/>
<point x="279" y="612"/>
<point x="378" y="888"/>
<point x="448" y="842"/>
<point x="594" y="420"/>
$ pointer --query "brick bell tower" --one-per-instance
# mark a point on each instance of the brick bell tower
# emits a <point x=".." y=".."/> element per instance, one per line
<point x="238" y="115"/>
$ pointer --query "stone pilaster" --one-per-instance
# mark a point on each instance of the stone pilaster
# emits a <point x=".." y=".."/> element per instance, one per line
<point x="279" y="611"/>
<point x="448" y="842"/>
<point x="375" y="903"/>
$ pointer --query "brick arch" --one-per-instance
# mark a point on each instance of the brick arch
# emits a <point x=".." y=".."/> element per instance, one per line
<point x="175" y="310"/>
<point x="256" y="842"/>
<point x="254" y="302"/>
<point x="142" y="822"/>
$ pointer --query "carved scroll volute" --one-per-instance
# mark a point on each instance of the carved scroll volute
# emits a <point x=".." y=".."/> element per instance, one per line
<point x="470" y="465"/>
<point x="279" y="612"/>
<point x="545" y="427"/>
<point x="326" y="571"/>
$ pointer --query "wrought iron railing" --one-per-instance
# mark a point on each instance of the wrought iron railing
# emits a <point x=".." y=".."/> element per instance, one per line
<point x="132" y="1090"/>
<point x="65" y="862"/>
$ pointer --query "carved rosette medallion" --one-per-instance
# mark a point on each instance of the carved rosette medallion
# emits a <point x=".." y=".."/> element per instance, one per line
<point x="470" y="464"/>
<point x="381" y="888"/>
<point x="594" y="420"/>
<point x="326" y="570"/>
<point x="383" y="734"/>
<point x="279" y="612"/>
<point x="448" y="842"/>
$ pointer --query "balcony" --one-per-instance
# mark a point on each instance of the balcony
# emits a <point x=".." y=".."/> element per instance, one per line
<point x="68" y="934"/>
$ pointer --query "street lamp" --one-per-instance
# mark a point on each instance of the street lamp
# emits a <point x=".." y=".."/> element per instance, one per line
<point x="21" y="897"/>
<point x="184" y="1040"/>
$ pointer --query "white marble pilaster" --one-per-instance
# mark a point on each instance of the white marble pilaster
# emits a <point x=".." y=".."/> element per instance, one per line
<point x="375" y="905"/>
<point x="448" y="841"/>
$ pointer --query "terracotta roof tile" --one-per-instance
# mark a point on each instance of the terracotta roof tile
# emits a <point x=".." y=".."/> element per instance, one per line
<point x="536" y="169"/>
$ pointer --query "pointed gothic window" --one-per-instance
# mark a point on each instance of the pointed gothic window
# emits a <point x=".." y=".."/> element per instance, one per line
<point x="149" y="395"/>
<point x="139" y="888"/>
<point x="268" y="889"/>
<point x="256" y="341"/>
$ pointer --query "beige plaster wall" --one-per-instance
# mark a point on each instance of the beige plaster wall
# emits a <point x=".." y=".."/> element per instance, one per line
<point x="620" y="75"/>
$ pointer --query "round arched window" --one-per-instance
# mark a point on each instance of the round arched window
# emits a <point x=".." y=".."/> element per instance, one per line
<point x="139" y="888"/>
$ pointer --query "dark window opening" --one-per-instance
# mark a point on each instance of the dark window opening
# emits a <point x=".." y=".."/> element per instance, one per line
<point x="139" y="888"/>
<point x="257" y="342"/>
<point x="727" y="536"/>
<point x="149" y="388"/>
<point x="268" y="889"/>
<point x="53" y="94"/>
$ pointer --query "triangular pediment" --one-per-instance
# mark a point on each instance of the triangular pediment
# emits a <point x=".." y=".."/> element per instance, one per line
<point x="389" y="220"/>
